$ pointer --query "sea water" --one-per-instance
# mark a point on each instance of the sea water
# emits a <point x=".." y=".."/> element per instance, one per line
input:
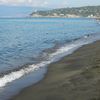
<point x="29" y="45"/>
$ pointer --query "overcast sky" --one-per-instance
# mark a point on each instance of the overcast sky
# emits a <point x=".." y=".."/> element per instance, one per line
<point x="50" y="3"/>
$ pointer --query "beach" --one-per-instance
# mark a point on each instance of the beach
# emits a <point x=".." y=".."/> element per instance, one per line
<point x="75" y="77"/>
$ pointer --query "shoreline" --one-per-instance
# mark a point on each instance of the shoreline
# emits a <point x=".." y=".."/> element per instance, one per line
<point x="55" y="84"/>
<point x="96" y="18"/>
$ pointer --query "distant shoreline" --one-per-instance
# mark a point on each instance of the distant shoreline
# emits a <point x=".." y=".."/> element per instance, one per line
<point x="62" y="17"/>
<point x="98" y="18"/>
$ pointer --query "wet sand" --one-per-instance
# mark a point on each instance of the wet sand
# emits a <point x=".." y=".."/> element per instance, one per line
<point x="75" y="77"/>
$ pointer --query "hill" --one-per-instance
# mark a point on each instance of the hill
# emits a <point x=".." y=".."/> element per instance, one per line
<point x="88" y="11"/>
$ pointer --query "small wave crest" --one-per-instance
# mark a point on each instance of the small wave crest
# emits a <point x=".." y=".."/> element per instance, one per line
<point x="4" y="80"/>
<point x="18" y="74"/>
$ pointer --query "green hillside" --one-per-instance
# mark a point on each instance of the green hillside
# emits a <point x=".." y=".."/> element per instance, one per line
<point x="88" y="11"/>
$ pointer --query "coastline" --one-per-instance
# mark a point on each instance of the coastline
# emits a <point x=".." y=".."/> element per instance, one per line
<point x="97" y="18"/>
<point x="71" y="78"/>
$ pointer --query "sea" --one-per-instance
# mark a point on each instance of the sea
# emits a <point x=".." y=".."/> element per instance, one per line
<point x="29" y="45"/>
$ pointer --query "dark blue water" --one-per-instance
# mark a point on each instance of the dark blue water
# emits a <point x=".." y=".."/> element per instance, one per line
<point x="22" y="41"/>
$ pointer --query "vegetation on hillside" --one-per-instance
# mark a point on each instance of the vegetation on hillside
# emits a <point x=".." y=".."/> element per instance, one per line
<point x="88" y="11"/>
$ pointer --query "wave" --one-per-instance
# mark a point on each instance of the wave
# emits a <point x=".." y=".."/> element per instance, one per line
<point x="59" y="53"/>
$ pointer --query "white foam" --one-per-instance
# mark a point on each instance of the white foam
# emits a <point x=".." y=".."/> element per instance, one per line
<point x="31" y="68"/>
<point x="63" y="49"/>
<point x="18" y="74"/>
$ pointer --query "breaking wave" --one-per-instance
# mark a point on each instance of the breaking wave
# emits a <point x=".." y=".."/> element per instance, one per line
<point x="59" y="53"/>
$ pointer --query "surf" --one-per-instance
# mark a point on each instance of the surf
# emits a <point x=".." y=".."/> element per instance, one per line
<point x="52" y="57"/>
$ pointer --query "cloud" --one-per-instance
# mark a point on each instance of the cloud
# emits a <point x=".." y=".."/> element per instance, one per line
<point x="12" y="1"/>
<point x="25" y="2"/>
<point x="50" y="3"/>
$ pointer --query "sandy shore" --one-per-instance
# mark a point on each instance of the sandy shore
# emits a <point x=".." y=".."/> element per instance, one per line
<point x="75" y="77"/>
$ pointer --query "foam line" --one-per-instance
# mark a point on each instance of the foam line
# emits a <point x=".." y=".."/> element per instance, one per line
<point x="65" y="50"/>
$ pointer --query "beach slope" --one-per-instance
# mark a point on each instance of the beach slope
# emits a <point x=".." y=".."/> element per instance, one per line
<point x="75" y="77"/>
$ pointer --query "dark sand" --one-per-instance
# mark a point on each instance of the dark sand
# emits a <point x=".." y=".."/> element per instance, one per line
<point x="75" y="77"/>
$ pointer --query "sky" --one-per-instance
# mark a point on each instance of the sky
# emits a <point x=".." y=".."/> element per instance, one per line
<point x="50" y="3"/>
<point x="25" y="7"/>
